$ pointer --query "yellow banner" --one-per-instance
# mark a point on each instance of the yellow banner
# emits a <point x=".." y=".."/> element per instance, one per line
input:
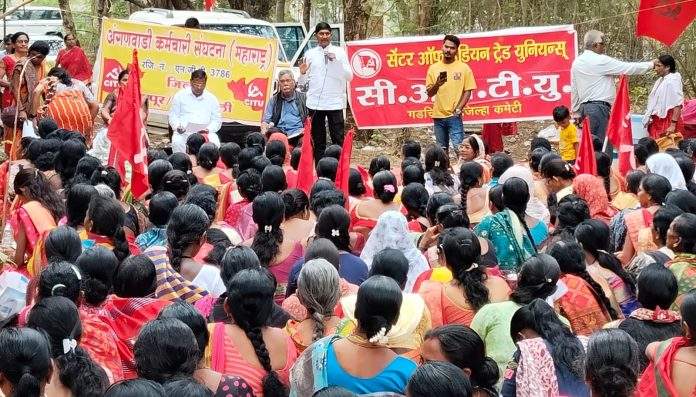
<point x="239" y="67"/>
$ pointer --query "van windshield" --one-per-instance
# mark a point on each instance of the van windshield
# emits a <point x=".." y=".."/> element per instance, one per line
<point x="253" y="30"/>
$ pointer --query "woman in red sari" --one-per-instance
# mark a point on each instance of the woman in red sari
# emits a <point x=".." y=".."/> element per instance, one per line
<point x="671" y="371"/>
<point x="73" y="59"/>
<point x="38" y="211"/>
<point x="663" y="113"/>
<point x="20" y="49"/>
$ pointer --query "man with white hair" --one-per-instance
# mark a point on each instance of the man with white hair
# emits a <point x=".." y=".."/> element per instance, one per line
<point x="287" y="109"/>
<point x="592" y="81"/>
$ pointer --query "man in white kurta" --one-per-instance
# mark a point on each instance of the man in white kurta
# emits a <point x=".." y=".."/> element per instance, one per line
<point x="194" y="110"/>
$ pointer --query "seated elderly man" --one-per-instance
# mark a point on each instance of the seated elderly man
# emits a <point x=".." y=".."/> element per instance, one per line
<point x="287" y="109"/>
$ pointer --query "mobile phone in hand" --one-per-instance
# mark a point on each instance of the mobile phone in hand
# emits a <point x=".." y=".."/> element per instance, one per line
<point x="442" y="76"/>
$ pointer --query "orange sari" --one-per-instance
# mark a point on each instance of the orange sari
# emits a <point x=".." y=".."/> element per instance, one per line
<point x="580" y="306"/>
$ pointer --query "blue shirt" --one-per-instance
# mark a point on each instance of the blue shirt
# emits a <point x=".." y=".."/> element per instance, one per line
<point x="290" y="120"/>
<point x="156" y="236"/>
<point x="393" y="378"/>
<point x="351" y="268"/>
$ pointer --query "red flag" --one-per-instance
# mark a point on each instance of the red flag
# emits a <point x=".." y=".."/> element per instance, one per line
<point x="365" y="176"/>
<point x="585" y="162"/>
<point x="127" y="132"/>
<point x="619" y="130"/>
<point x="305" y="170"/>
<point x="664" y="20"/>
<point x="208" y="5"/>
<point x="343" y="173"/>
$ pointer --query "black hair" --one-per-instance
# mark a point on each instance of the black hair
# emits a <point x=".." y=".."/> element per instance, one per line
<point x="236" y="259"/>
<point x="204" y="196"/>
<point x="273" y="179"/>
<point x="334" y="391"/>
<point x="187" y="387"/>
<point x="322" y="248"/>
<point x="182" y="162"/>
<point x="688" y="312"/>
<point x="59" y="279"/>
<point x="256" y="140"/>
<point x="62" y="244"/>
<point x="515" y="198"/>
<point x="560" y="113"/>
<point x="220" y="242"/>
<point x="572" y="210"/>
<point x="604" y="170"/>
<point x="686" y="165"/>
<point x="685" y="227"/>
<point x="558" y="168"/>
<point x="268" y="213"/>
<point x="192" y="23"/>
<point x="156" y="154"/>
<point x="208" y="156"/>
<point x="633" y="180"/>
<point x="135" y="388"/>
<point x="245" y="157"/>
<point x="378" y="304"/>
<point x="107" y="176"/>
<point x="187" y="314"/>
<point x="17" y="35"/>
<point x="500" y="163"/>
<point x="324" y="199"/>
<point x="156" y="172"/>
<point x="250" y="302"/>
<point x="683" y="199"/>
<point x="594" y="236"/>
<point x="61" y="74"/>
<point x="25" y="360"/>
<point x="356" y="186"/>
<point x="473" y="142"/>
<point x="411" y="161"/>
<point x="385" y="187"/>
<point x="566" y="349"/>
<point x="333" y="151"/>
<point x="413" y="173"/>
<point x="657" y="187"/>
<point x="71" y="151"/>
<point x="470" y="174"/>
<point x="35" y="186"/>
<point x="194" y="143"/>
<point x="176" y="182"/>
<point x="42" y="153"/>
<point x="451" y="215"/>
<point x="571" y="260"/>
<point x="333" y="223"/>
<point x="186" y="227"/>
<point x="59" y="318"/>
<point x="454" y="39"/>
<point x="199" y="74"/>
<point x="296" y="202"/>
<point x="439" y="379"/>
<point x="322" y="26"/>
<point x="392" y="263"/>
<point x="249" y="184"/>
<point x="295" y="158"/>
<point x="436" y="201"/>
<point x="319" y="186"/>
<point x="377" y="164"/>
<point x="462" y="252"/>
<point x="688" y="146"/>
<point x="276" y="152"/>
<point x="97" y="266"/>
<point x="437" y="166"/>
<point x="668" y="60"/>
<point x="539" y="142"/>
<point x="613" y="363"/>
<point x="260" y="163"/>
<point x="85" y="169"/>
<point x="415" y="198"/>
<point x="160" y="208"/>
<point x="663" y="217"/>
<point x="327" y="168"/>
<point x="464" y="348"/>
<point x="166" y="349"/>
<point x="535" y="158"/>
<point x="648" y="147"/>
<point x="40" y="47"/>
<point x="411" y="148"/>
<point x="657" y="287"/>
<point x="537" y="278"/>
<point x="495" y="196"/>
<point x="107" y="219"/>
<point x="228" y="154"/>
<point x="135" y="277"/>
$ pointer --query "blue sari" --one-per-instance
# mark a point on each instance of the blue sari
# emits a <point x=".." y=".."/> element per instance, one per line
<point x="508" y="236"/>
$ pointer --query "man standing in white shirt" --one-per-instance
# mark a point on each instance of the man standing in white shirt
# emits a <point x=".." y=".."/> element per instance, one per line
<point x="325" y="71"/>
<point x="194" y="110"/>
<point x="592" y="81"/>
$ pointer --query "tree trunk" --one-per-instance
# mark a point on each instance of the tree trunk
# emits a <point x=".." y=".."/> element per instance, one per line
<point x="280" y="11"/>
<point x="68" y="21"/>
<point x="102" y="8"/>
<point x="425" y="16"/>
<point x="306" y="13"/>
<point x="356" y="17"/>
<point x="236" y="4"/>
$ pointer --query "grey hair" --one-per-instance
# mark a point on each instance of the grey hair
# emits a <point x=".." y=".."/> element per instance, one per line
<point x="105" y="191"/>
<point x="318" y="291"/>
<point x="592" y="37"/>
<point x="284" y="72"/>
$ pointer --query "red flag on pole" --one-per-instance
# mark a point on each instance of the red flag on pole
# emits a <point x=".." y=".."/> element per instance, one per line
<point x="664" y="20"/>
<point x="619" y="130"/>
<point x="127" y="132"/>
<point x="585" y="162"/>
<point x="208" y="5"/>
<point x="305" y="170"/>
<point x="343" y="172"/>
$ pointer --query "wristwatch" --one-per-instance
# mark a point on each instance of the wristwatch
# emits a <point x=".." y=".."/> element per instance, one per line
<point x="457" y="111"/>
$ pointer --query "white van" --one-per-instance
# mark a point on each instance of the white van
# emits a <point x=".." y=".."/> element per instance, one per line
<point x="35" y="21"/>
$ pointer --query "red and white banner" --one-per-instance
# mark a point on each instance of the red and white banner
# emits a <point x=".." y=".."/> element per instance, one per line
<point x="521" y="74"/>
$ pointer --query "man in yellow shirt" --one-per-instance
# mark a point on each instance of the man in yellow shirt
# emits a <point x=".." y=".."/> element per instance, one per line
<point x="450" y="81"/>
<point x="568" y="134"/>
